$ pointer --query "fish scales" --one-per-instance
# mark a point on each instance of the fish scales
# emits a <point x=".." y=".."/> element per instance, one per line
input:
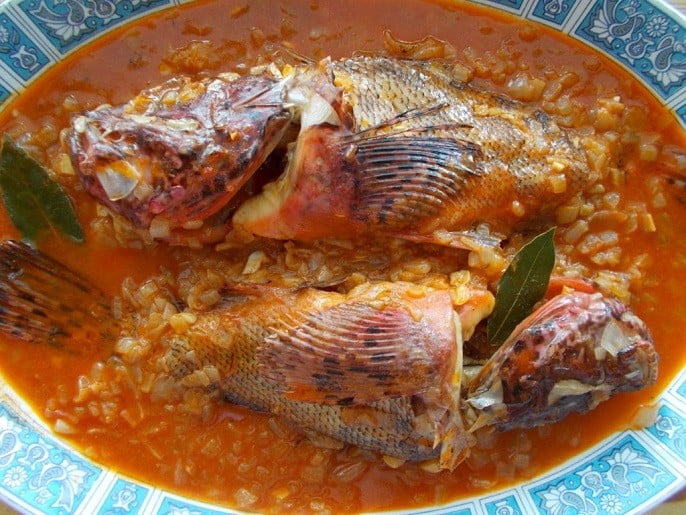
<point x="232" y="339"/>
<point x="416" y="151"/>
<point x="518" y="144"/>
<point x="386" y="146"/>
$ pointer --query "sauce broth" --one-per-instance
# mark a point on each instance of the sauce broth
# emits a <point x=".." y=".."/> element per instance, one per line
<point x="236" y="457"/>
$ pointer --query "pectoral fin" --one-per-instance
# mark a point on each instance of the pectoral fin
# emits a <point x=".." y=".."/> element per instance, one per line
<point x="350" y="354"/>
<point x="406" y="177"/>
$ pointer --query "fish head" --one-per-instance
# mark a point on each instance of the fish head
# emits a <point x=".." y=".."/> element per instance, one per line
<point x="179" y="151"/>
<point x="574" y="352"/>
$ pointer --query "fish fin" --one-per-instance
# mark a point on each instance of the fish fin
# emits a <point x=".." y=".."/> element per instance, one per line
<point x="403" y="178"/>
<point x="349" y="354"/>
<point x="42" y="301"/>
<point x="455" y="441"/>
<point x="395" y="122"/>
<point x="466" y="240"/>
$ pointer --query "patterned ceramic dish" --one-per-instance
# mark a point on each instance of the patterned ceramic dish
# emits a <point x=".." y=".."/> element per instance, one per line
<point x="628" y="472"/>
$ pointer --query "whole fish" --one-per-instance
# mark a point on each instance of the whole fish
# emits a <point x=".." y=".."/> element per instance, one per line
<point x="406" y="149"/>
<point x="379" y="367"/>
<point x="386" y="146"/>
<point x="179" y="151"/>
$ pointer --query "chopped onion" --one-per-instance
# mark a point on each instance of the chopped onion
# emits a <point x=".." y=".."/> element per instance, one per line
<point x="613" y="339"/>
<point x="315" y="109"/>
<point x="567" y="387"/>
<point x="159" y="228"/>
<point x="79" y="124"/>
<point x="494" y="395"/>
<point x="64" y="427"/>
<point x="427" y="48"/>
<point x="254" y="262"/>
<point x="118" y="180"/>
<point x="645" y="416"/>
<point x="393" y="462"/>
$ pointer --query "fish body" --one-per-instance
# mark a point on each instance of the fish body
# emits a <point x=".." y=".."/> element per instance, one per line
<point x="178" y="152"/>
<point x="414" y="151"/>
<point x="386" y="146"/>
<point x="376" y="367"/>
<point x="380" y="366"/>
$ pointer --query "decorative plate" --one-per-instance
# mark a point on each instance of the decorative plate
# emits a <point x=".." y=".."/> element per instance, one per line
<point x="628" y="472"/>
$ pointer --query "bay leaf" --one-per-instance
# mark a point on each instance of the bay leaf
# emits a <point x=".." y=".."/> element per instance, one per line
<point x="523" y="284"/>
<point x="35" y="203"/>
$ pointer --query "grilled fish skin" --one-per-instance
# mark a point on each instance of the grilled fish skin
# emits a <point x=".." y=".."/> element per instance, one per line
<point x="379" y="367"/>
<point x="179" y="151"/>
<point x="414" y="152"/>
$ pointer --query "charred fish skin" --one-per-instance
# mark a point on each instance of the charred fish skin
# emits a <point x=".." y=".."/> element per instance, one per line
<point x="179" y="151"/>
<point x="574" y="352"/>
<point x="331" y="364"/>
<point x="416" y="152"/>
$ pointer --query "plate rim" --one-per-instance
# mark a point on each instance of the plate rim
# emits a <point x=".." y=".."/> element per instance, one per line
<point x="576" y="18"/>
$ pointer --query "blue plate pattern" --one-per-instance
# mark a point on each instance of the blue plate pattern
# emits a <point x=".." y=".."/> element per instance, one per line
<point x="617" y="480"/>
<point x="681" y="113"/>
<point x="4" y="94"/>
<point x="124" y="497"/>
<point x="506" y="505"/>
<point x="628" y="472"/>
<point x="18" y="51"/>
<point x="670" y="429"/>
<point x="37" y="471"/>
<point x="553" y="12"/>
<point x="641" y="36"/>
<point x="69" y="23"/>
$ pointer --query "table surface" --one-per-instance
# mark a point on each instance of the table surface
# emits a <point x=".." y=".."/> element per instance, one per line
<point x="675" y="506"/>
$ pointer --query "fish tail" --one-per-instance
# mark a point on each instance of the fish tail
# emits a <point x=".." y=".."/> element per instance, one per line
<point x="42" y="301"/>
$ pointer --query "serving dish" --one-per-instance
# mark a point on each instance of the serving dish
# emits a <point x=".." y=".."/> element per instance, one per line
<point x="629" y="471"/>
